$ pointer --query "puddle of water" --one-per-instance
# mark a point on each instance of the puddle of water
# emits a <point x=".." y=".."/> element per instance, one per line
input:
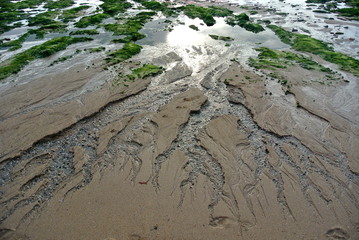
<point x="14" y="33"/>
<point x="36" y="10"/>
<point x="183" y="35"/>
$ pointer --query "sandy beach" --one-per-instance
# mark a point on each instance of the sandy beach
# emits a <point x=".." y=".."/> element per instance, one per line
<point x="210" y="147"/>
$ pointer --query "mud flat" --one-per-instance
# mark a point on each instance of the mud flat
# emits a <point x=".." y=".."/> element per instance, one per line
<point x="209" y="148"/>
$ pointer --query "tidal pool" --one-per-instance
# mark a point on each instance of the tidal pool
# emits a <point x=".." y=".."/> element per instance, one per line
<point x="178" y="33"/>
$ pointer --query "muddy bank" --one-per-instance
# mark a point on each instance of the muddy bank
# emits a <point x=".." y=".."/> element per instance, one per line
<point x="307" y="111"/>
<point x="49" y="104"/>
<point x="209" y="149"/>
<point x="221" y="161"/>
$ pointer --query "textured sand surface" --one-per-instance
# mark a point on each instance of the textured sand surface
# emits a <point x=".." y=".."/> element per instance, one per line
<point x="209" y="149"/>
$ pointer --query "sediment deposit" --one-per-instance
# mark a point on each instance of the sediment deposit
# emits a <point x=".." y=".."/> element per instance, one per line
<point x="209" y="149"/>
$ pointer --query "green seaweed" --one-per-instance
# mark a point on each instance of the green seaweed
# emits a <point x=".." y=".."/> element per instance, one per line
<point x="91" y="20"/>
<point x="46" y="49"/>
<point x="61" y="59"/>
<point x="353" y="3"/>
<point x="349" y="12"/>
<point x="320" y="11"/>
<point x="40" y="34"/>
<point x="45" y="18"/>
<point x="284" y="36"/>
<point x="194" y="27"/>
<point x="85" y="32"/>
<point x="133" y="37"/>
<point x="8" y="5"/>
<point x="206" y="14"/>
<point x="131" y="26"/>
<point x="59" y="4"/>
<point x="12" y="11"/>
<point x="146" y="70"/>
<point x="153" y="5"/>
<point x="16" y="44"/>
<point x="266" y="63"/>
<point x="157" y="6"/>
<point x="128" y="50"/>
<point x="98" y="49"/>
<point x="113" y="7"/>
<point x="222" y="38"/>
<point x="6" y="18"/>
<point x="53" y="27"/>
<point x="70" y="14"/>
<point x="253" y="27"/>
<point x="127" y="28"/>
<point x="271" y="59"/>
<point x="244" y="21"/>
<point x="304" y="43"/>
<point x="4" y="27"/>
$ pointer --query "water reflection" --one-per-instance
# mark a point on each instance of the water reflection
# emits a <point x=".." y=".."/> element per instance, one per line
<point x="182" y="35"/>
<point x="185" y="36"/>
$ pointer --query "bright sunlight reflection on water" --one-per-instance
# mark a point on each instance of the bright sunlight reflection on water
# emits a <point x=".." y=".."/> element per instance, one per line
<point x="183" y="35"/>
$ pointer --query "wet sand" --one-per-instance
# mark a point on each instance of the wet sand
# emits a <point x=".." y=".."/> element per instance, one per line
<point x="209" y="149"/>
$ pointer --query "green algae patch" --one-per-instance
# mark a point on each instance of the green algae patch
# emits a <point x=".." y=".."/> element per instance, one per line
<point x="40" y="34"/>
<point x="18" y="5"/>
<point x="308" y="44"/>
<point x="131" y="26"/>
<point x="133" y="37"/>
<point x="46" y="49"/>
<point x="237" y="19"/>
<point x="85" y="32"/>
<point x="206" y="14"/>
<point x="157" y="6"/>
<point x="128" y="50"/>
<point x="12" y="11"/>
<point x="127" y="28"/>
<point x="194" y="27"/>
<point x="91" y="20"/>
<point x="113" y="7"/>
<point x="244" y="21"/>
<point x="15" y="44"/>
<point x="146" y="70"/>
<point x="349" y="12"/>
<point x="97" y="49"/>
<point x="285" y="36"/>
<point x="46" y="22"/>
<point x="43" y="18"/>
<point x="271" y="59"/>
<point x="70" y="14"/>
<point x="61" y="59"/>
<point x="59" y="4"/>
<point x="304" y="43"/>
<point x="253" y="27"/>
<point x="53" y="27"/>
<point x="222" y="38"/>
